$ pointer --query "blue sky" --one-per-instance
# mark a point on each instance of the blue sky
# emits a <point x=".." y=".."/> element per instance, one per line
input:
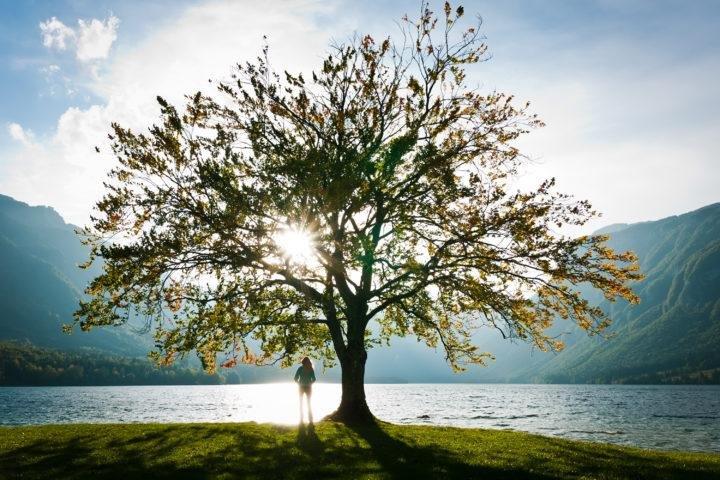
<point x="628" y="88"/>
<point x="23" y="57"/>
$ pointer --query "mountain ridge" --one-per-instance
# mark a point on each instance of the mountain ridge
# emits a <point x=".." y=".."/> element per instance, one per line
<point x="671" y="336"/>
<point x="40" y="282"/>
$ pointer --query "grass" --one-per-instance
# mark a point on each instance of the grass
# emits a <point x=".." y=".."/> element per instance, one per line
<point x="330" y="450"/>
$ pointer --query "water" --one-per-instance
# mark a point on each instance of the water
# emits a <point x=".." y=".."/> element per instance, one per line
<point x="660" y="417"/>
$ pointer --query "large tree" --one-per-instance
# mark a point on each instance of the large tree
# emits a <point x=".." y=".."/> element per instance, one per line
<point x="394" y="176"/>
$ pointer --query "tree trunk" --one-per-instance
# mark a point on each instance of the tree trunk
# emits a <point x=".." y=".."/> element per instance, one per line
<point x="353" y="407"/>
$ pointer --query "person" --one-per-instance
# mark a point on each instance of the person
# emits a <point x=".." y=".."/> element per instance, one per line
<point x="304" y="377"/>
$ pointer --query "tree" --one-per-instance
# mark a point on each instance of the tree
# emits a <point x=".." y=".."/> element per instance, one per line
<point x="392" y="169"/>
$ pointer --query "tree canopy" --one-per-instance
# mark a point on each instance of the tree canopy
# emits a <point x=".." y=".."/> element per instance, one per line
<point x="396" y="170"/>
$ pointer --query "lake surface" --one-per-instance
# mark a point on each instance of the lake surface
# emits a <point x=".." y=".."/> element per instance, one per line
<point x="660" y="417"/>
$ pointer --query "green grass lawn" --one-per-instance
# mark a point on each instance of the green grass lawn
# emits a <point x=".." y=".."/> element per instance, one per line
<point x="249" y="450"/>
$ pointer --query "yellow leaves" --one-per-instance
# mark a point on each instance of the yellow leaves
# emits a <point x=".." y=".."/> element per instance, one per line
<point x="248" y="358"/>
<point x="87" y="264"/>
<point x="367" y="41"/>
<point x="328" y="152"/>
<point x="585" y="323"/>
<point x="277" y="109"/>
<point x="168" y="358"/>
<point x="123" y="175"/>
<point x="113" y="219"/>
<point x="173" y="296"/>
<point x="414" y="86"/>
<point x="229" y="363"/>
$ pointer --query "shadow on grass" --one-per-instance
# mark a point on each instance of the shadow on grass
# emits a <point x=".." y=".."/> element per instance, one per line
<point x="330" y="450"/>
<point x="612" y="461"/>
<point x="171" y="451"/>
<point x="308" y="441"/>
<point x="402" y="459"/>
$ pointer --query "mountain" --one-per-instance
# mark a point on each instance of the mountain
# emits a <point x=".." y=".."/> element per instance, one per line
<point x="40" y="282"/>
<point x="26" y="364"/>
<point x="673" y="335"/>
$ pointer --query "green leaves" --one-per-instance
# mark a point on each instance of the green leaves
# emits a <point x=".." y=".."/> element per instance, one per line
<point x="398" y="168"/>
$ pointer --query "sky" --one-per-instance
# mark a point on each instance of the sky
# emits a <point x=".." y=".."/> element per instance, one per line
<point x="628" y="89"/>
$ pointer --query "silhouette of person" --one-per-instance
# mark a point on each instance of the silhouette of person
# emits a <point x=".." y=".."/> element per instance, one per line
<point x="304" y="377"/>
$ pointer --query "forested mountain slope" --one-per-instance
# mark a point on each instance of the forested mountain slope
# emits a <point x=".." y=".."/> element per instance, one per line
<point x="675" y="331"/>
<point x="672" y="336"/>
<point x="40" y="282"/>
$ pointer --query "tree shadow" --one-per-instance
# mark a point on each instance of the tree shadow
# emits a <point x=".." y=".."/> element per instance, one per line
<point x="232" y="451"/>
<point x="159" y="451"/>
<point x="536" y="458"/>
<point x="400" y="460"/>
<point x="249" y="450"/>
<point x="614" y="461"/>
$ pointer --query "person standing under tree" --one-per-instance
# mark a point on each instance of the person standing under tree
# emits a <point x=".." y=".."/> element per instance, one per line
<point x="304" y="377"/>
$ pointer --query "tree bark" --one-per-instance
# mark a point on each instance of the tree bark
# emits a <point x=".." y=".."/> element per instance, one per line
<point x="353" y="407"/>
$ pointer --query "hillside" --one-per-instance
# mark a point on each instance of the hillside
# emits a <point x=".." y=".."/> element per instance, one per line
<point x="40" y="282"/>
<point x="673" y="336"/>
<point x="675" y="331"/>
<point x="25" y="364"/>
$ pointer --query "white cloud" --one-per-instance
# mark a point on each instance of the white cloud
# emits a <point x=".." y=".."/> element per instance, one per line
<point x="92" y="39"/>
<point x="53" y="79"/>
<point x="17" y="132"/>
<point x="49" y="70"/>
<point x="54" y="33"/>
<point x="177" y="58"/>
<point x="96" y="37"/>
<point x="635" y="137"/>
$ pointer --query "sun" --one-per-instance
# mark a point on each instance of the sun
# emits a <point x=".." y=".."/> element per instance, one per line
<point x="296" y="245"/>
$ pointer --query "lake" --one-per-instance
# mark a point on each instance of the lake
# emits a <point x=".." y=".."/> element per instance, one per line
<point x="651" y="416"/>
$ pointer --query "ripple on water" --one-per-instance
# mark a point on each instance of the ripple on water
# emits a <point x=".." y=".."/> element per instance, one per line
<point x="599" y="432"/>
<point x="703" y="417"/>
<point x="509" y="417"/>
<point x="668" y="417"/>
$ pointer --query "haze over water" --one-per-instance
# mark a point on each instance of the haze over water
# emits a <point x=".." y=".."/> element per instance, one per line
<point x="683" y="417"/>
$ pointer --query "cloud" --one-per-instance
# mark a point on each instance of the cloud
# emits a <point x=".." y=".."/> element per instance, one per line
<point x="55" y="80"/>
<point x="625" y="130"/>
<point x="49" y="70"/>
<point x="17" y="132"/>
<point x="631" y="122"/>
<point x="92" y="39"/>
<point x="177" y="58"/>
<point x="96" y="37"/>
<point x="54" y="33"/>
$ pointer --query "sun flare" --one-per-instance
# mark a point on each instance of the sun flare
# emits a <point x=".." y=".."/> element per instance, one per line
<point x="296" y="245"/>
